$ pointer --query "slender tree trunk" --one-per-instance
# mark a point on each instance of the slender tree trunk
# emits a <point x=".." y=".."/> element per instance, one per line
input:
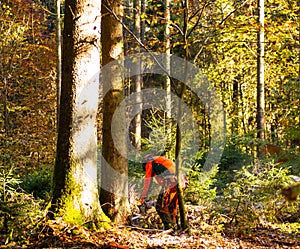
<point x="143" y="8"/>
<point x="260" y="76"/>
<point x="5" y="108"/>
<point x="138" y="78"/>
<point x="183" y="221"/>
<point x="235" y="108"/>
<point x="167" y="79"/>
<point x="298" y="4"/>
<point x="114" y="166"/>
<point x="58" y="59"/>
<point x="75" y="192"/>
<point x="128" y="11"/>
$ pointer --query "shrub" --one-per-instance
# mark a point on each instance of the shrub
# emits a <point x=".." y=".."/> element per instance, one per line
<point x="254" y="198"/>
<point x="38" y="183"/>
<point x="20" y="213"/>
<point x="201" y="189"/>
<point x="233" y="158"/>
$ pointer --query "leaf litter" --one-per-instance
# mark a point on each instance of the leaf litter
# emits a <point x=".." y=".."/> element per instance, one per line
<point x="56" y="234"/>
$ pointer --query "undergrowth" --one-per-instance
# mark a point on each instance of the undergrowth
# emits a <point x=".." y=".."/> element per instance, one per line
<point x="20" y="213"/>
<point x="254" y="198"/>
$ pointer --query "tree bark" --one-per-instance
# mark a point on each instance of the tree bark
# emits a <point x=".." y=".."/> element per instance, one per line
<point x="5" y="108"/>
<point x="58" y="59"/>
<point x="143" y="8"/>
<point x="167" y="78"/>
<point x="260" y="77"/>
<point x="183" y="220"/>
<point x="75" y="192"/>
<point x="114" y="166"/>
<point x="138" y="77"/>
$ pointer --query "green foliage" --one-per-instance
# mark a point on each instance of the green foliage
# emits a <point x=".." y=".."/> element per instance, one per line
<point x="162" y="141"/>
<point x="201" y="188"/>
<point x="20" y="213"/>
<point x="157" y="142"/>
<point x="38" y="183"/>
<point x="233" y="158"/>
<point x="8" y="183"/>
<point x="226" y="50"/>
<point x="254" y="198"/>
<point x="136" y="174"/>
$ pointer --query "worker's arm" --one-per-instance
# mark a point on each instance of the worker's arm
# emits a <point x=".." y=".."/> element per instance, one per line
<point x="147" y="181"/>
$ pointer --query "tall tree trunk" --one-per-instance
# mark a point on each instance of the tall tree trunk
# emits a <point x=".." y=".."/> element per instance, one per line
<point x="138" y="77"/>
<point x="58" y="59"/>
<point x="5" y="106"/>
<point x="75" y="192"/>
<point x="143" y="8"/>
<point x="183" y="221"/>
<point x="260" y="75"/>
<point x="114" y="166"/>
<point x="167" y="79"/>
<point x="298" y="4"/>
<point x="235" y="109"/>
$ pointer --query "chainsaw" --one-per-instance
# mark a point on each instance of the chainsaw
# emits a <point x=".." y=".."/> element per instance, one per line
<point x="144" y="208"/>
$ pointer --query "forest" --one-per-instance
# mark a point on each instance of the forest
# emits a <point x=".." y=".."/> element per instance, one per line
<point x="212" y="85"/>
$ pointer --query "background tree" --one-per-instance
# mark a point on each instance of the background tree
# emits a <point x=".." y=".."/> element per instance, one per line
<point x="260" y="73"/>
<point x="167" y="17"/>
<point x="27" y="128"/>
<point x="75" y="191"/>
<point x="58" y="57"/>
<point x="224" y="45"/>
<point x="138" y="78"/>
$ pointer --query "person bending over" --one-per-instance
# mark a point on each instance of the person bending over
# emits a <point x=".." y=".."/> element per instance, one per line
<point x="163" y="170"/>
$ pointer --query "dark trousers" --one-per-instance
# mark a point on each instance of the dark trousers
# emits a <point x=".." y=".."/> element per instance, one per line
<point x="167" y="203"/>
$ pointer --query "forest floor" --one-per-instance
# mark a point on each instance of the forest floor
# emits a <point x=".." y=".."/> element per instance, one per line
<point x="57" y="235"/>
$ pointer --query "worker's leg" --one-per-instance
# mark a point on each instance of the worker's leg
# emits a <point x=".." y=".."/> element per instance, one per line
<point x="162" y="208"/>
<point x="173" y="205"/>
<point x="167" y="220"/>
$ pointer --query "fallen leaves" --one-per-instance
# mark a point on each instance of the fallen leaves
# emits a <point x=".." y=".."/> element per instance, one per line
<point x="58" y="235"/>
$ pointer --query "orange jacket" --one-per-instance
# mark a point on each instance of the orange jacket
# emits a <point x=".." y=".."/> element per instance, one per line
<point x="157" y="168"/>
